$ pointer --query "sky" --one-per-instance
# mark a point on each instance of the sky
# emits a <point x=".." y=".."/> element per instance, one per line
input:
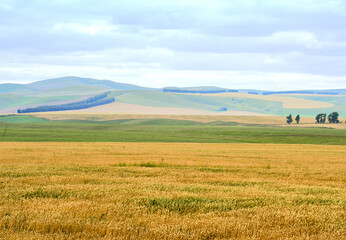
<point x="241" y="44"/>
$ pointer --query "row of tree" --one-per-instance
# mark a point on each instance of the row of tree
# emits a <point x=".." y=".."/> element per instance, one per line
<point x="97" y="100"/>
<point x="176" y="90"/>
<point x="332" y="117"/>
<point x="300" y="92"/>
<point x="289" y="119"/>
<point x="320" y="118"/>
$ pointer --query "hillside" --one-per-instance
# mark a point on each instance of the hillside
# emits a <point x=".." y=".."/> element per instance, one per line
<point x="230" y="103"/>
<point x="192" y="100"/>
<point x="19" y="88"/>
<point x="68" y="82"/>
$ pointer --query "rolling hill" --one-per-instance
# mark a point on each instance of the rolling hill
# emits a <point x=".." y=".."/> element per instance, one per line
<point x="193" y="100"/>
<point x="68" y="82"/>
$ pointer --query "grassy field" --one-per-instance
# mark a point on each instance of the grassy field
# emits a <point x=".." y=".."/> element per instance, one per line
<point x="171" y="191"/>
<point x="165" y="130"/>
<point x="20" y="119"/>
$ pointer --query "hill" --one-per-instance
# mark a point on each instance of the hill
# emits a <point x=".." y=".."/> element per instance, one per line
<point x="68" y="82"/>
<point x="19" y="88"/>
<point x="65" y="84"/>
<point x="172" y="100"/>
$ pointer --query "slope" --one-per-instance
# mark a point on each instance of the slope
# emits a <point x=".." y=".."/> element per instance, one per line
<point x="66" y="82"/>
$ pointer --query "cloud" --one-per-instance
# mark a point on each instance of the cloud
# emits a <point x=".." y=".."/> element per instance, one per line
<point x="276" y="38"/>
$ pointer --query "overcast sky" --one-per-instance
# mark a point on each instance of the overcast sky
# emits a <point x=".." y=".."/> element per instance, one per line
<point x="259" y="44"/>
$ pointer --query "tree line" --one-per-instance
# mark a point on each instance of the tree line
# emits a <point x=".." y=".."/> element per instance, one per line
<point x="97" y="100"/>
<point x="320" y="118"/>
<point x="289" y="119"/>
<point x="332" y="117"/>
<point x="300" y="92"/>
<point x="197" y="91"/>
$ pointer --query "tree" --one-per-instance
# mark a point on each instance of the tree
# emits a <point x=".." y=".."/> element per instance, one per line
<point x="318" y="118"/>
<point x="289" y="119"/>
<point x="324" y="116"/>
<point x="297" y="119"/>
<point x="321" y="118"/>
<point x="88" y="103"/>
<point x="333" y="117"/>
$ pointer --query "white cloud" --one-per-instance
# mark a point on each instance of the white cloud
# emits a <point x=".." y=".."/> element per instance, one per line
<point x="90" y="29"/>
<point x="306" y="39"/>
<point x="179" y="41"/>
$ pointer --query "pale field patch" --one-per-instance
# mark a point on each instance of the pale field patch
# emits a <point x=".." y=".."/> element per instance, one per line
<point x="66" y="115"/>
<point x="288" y="102"/>
<point x="171" y="191"/>
<point x="262" y="120"/>
<point x="127" y="108"/>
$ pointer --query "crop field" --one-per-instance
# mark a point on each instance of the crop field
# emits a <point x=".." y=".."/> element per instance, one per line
<point x="238" y="119"/>
<point x="287" y="101"/>
<point x="171" y="191"/>
<point x="134" y="177"/>
<point x="69" y="115"/>
<point x="162" y="130"/>
<point x="278" y="105"/>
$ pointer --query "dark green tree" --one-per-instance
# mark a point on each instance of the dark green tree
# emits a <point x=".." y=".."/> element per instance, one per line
<point x="297" y="119"/>
<point x="318" y="118"/>
<point x="88" y="103"/>
<point x="289" y="119"/>
<point x="333" y="117"/>
<point x="321" y="118"/>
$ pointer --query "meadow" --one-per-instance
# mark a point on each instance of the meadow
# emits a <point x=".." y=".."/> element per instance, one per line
<point x="32" y="129"/>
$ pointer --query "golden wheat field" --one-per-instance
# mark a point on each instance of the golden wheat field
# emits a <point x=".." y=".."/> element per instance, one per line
<point x="171" y="191"/>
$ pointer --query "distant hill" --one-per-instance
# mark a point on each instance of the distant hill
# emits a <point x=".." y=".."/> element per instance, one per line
<point x="67" y="82"/>
<point x="212" y="99"/>
<point x="72" y="83"/>
<point x="199" y="88"/>
<point x="212" y="89"/>
<point x="11" y="87"/>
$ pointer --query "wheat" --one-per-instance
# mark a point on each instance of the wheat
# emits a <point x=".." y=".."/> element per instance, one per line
<point x="171" y="191"/>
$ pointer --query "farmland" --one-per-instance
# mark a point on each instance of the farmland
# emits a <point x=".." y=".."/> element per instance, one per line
<point x="132" y="99"/>
<point x="82" y="176"/>
<point x="171" y="191"/>
<point x="162" y="130"/>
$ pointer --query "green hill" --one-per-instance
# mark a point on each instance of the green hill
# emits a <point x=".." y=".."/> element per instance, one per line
<point x="67" y="82"/>
<point x="215" y="103"/>
<point x="19" y="88"/>
<point x="66" y="89"/>
<point x="8" y="101"/>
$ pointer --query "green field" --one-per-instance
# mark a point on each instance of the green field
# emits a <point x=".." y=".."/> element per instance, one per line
<point x="20" y="119"/>
<point x="33" y="129"/>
